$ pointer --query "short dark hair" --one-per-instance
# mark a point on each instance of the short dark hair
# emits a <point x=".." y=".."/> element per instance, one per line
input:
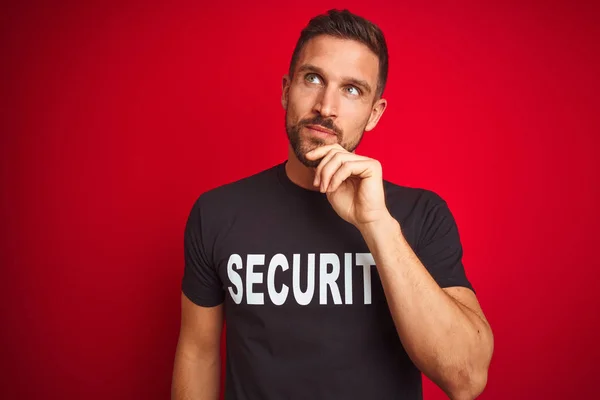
<point x="346" y="25"/>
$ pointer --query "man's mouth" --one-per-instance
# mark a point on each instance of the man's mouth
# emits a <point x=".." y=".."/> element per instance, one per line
<point x="321" y="129"/>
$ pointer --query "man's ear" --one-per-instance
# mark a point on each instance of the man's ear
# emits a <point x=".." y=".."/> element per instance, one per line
<point x="285" y="90"/>
<point x="376" y="113"/>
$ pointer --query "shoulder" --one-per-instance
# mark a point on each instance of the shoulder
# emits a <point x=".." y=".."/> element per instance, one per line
<point x="237" y="193"/>
<point x="218" y="208"/>
<point x="401" y="198"/>
<point x="421" y="212"/>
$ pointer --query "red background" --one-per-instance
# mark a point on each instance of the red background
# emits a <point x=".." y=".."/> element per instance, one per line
<point x="116" y="117"/>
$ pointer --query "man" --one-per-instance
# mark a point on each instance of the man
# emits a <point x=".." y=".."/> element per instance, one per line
<point x="333" y="283"/>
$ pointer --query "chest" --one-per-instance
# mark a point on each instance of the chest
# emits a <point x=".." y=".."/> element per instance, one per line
<point x="295" y="262"/>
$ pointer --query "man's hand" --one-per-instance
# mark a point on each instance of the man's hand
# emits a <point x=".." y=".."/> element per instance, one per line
<point x="353" y="184"/>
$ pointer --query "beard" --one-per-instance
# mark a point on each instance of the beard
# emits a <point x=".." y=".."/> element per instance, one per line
<point x="302" y="145"/>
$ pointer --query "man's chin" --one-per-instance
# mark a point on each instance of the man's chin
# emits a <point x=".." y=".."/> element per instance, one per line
<point x="309" y="163"/>
<point x="302" y="145"/>
<point x="301" y="156"/>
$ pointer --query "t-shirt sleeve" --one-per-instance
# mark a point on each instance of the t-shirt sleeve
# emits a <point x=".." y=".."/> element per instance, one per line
<point x="439" y="248"/>
<point x="201" y="282"/>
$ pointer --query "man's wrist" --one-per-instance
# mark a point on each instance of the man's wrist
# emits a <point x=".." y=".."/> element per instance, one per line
<point x="383" y="225"/>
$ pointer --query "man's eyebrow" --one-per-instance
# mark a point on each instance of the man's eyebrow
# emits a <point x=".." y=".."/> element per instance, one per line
<point x="364" y="85"/>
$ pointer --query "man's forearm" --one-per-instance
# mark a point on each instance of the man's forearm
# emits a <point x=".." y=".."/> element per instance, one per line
<point x="445" y="340"/>
<point x="196" y="378"/>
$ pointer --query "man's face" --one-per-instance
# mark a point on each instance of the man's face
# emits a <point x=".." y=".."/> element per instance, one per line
<point x="332" y="89"/>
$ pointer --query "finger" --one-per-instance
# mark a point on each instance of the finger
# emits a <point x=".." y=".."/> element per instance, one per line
<point x="333" y="165"/>
<point x="359" y="168"/>
<point x="321" y="151"/>
<point x="323" y="163"/>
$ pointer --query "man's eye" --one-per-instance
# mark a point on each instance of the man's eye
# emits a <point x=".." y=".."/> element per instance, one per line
<point x="354" y="91"/>
<point x="312" y="78"/>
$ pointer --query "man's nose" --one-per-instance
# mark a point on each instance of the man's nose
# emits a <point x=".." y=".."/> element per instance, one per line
<point x="327" y="103"/>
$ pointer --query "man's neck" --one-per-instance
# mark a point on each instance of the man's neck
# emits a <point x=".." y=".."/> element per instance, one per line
<point x="299" y="173"/>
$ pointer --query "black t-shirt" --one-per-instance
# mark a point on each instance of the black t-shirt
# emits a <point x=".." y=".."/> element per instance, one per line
<point x="306" y="315"/>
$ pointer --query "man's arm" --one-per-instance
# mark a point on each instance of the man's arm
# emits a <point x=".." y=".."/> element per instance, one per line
<point x="444" y="331"/>
<point x="197" y="366"/>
